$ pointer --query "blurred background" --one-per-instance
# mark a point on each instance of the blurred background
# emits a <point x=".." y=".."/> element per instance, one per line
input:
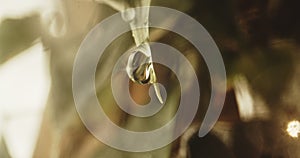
<point x="24" y="86"/>
<point x="259" y="42"/>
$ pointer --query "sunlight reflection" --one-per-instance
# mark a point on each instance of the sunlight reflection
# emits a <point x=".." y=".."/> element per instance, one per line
<point x="293" y="128"/>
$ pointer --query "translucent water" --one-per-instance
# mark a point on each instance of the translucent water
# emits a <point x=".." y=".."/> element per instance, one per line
<point x="140" y="67"/>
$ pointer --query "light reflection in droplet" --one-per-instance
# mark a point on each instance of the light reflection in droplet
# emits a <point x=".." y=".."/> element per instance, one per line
<point x="140" y="68"/>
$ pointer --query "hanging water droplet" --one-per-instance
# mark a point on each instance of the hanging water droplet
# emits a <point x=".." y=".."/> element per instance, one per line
<point x="140" y="68"/>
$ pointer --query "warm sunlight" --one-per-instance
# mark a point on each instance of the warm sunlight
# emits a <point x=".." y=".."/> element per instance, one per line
<point x="293" y="128"/>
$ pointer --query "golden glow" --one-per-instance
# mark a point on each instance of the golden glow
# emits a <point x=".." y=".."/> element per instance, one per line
<point x="293" y="128"/>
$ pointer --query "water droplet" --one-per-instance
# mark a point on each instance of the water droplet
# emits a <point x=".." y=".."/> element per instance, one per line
<point x="140" y="68"/>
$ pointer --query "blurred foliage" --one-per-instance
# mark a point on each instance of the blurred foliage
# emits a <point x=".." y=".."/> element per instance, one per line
<point x="3" y="149"/>
<point x="16" y="35"/>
